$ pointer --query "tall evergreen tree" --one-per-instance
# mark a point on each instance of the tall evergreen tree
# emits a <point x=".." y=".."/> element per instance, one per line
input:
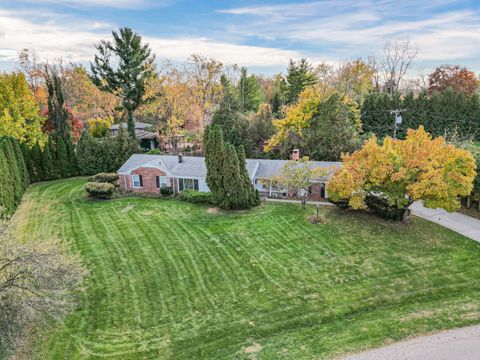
<point x="53" y="153"/>
<point x="249" y="91"/>
<point x="233" y="187"/>
<point x="250" y="195"/>
<point x="299" y="76"/>
<point x="57" y="111"/>
<point x="214" y="153"/>
<point x="233" y="123"/>
<point x="48" y="169"/>
<point x="126" y="73"/>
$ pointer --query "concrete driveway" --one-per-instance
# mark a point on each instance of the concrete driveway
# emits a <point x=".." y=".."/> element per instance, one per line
<point x="463" y="224"/>
<point x="457" y="344"/>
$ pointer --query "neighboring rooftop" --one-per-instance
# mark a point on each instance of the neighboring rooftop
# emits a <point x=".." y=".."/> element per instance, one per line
<point x="195" y="166"/>
<point x="138" y="125"/>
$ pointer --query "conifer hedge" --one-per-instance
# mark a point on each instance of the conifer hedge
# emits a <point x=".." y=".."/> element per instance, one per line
<point x="21" y="165"/>
<point x="15" y="177"/>
<point x="448" y="112"/>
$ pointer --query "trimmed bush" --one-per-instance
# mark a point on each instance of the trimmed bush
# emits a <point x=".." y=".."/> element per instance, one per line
<point x="381" y="207"/>
<point x="196" y="197"/>
<point x="111" y="178"/>
<point x="166" y="191"/>
<point x="99" y="190"/>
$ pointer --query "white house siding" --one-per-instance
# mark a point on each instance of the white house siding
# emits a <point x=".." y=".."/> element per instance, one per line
<point x="202" y="185"/>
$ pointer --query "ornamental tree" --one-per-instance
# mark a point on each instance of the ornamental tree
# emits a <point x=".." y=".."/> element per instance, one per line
<point x="299" y="176"/>
<point x="399" y="172"/>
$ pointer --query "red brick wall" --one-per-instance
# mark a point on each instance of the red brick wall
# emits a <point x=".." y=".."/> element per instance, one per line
<point x="149" y="177"/>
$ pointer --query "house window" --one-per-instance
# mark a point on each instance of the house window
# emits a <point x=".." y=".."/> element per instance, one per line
<point x="187" y="184"/>
<point x="137" y="181"/>
<point x="162" y="182"/>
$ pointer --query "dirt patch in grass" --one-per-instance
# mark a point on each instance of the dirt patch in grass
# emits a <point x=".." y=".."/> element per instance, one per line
<point x="253" y="349"/>
<point x="127" y="208"/>
<point x="213" y="210"/>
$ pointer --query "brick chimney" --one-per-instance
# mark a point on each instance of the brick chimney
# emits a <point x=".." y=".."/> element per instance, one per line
<point x="295" y="154"/>
<point x="180" y="158"/>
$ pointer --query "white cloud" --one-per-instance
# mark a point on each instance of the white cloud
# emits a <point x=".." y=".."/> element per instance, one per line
<point x="75" y="42"/>
<point x="362" y="27"/>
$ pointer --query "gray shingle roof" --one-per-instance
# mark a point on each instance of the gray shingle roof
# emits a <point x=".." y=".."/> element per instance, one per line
<point x="138" y="125"/>
<point x="195" y="166"/>
<point x="270" y="168"/>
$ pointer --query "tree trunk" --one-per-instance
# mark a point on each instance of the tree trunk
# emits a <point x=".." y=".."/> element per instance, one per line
<point x="130" y="123"/>
<point x="469" y="202"/>
<point x="406" y="216"/>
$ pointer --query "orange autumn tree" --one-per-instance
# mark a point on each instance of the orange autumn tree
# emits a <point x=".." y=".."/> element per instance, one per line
<point x="398" y="172"/>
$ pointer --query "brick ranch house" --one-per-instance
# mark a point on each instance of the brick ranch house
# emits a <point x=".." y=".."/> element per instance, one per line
<point x="148" y="173"/>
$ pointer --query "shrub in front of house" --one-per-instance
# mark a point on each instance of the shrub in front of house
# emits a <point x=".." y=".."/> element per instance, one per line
<point x="99" y="190"/>
<point x="111" y="178"/>
<point x="166" y="191"/>
<point x="196" y="197"/>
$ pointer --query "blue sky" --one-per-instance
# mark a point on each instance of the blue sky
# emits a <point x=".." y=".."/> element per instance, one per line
<point x="261" y="35"/>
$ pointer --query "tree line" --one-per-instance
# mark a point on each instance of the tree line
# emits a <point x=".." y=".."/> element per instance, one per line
<point x="442" y="114"/>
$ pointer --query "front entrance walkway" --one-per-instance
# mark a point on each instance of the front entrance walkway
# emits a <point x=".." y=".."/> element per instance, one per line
<point x="457" y="344"/>
<point x="463" y="224"/>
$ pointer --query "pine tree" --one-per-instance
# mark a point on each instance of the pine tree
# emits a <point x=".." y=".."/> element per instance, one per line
<point x="126" y="73"/>
<point x="228" y="115"/>
<point x="57" y="112"/>
<point x="48" y="170"/>
<point x="299" y="76"/>
<point x="214" y="153"/>
<point x="233" y="187"/>
<point x="62" y="159"/>
<point x="36" y="157"/>
<point x="250" y="93"/>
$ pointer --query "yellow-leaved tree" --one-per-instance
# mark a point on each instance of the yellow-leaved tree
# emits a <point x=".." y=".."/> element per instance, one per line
<point x="99" y="127"/>
<point x="387" y="178"/>
<point x="19" y="111"/>
<point x="322" y="124"/>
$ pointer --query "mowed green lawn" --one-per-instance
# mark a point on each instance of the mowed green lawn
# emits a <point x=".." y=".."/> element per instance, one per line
<point x="172" y="280"/>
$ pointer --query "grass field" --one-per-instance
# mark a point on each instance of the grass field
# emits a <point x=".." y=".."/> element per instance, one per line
<point x="172" y="280"/>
